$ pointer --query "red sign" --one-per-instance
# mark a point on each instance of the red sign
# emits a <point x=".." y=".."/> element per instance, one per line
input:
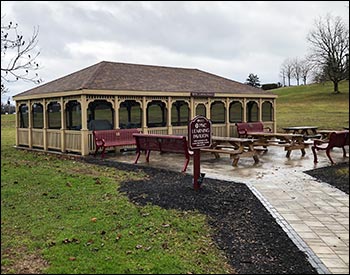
<point x="199" y="133"/>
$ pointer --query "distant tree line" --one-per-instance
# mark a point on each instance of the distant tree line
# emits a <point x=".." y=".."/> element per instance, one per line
<point x="328" y="59"/>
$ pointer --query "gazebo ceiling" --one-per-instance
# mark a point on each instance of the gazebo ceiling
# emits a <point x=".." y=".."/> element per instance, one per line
<point x="134" y="77"/>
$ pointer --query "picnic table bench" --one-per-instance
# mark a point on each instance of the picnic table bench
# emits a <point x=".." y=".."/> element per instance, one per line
<point x="289" y="141"/>
<point x="163" y="144"/>
<point x="113" y="138"/>
<point x="336" y="139"/>
<point x="308" y="132"/>
<point x="235" y="147"/>
<point x="245" y="128"/>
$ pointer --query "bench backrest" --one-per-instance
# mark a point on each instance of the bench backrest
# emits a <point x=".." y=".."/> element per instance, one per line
<point x="338" y="139"/>
<point x="162" y="143"/>
<point x="244" y="128"/>
<point x="122" y="135"/>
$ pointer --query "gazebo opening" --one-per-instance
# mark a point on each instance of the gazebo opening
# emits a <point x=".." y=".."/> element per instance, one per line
<point x="236" y="112"/>
<point x="54" y="115"/>
<point x="252" y="111"/>
<point x="23" y="116"/>
<point x="130" y="114"/>
<point x="38" y="116"/>
<point x="156" y="114"/>
<point x="180" y="113"/>
<point x="201" y="110"/>
<point x="73" y="115"/>
<point x="267" y="111"/>
<point x="217" y="112"/>
<point x="100" y="115"/>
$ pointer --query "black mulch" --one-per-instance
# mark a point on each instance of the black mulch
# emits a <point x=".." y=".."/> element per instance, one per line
<point x="330" y="175"/>
<point x="252" y="240"/>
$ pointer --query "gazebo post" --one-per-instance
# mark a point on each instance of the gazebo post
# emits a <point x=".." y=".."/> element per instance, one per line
<point x="45" y="124"/>
<point x="63" y="126"/>
<point x="84" y="130"/>
<point x="116" y="112"/>
<point x="144" y="115"/>
<point x="227" y="116"/>
<point x="30" y="124"/>
<point x="274" y="116"/>
<point x="169" y="126"/>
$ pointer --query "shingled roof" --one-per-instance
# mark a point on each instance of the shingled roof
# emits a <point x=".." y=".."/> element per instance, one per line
<point x="134" y="77"/>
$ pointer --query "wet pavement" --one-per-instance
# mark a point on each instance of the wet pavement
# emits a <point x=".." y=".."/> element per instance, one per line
<point x="314" y="214"/>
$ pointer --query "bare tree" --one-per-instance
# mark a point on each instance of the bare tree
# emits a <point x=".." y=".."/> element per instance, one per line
<point x="330" y="48"/>
<point x="296" y="71"/>
<point x="305" y="69"/>
<point x="283" y="76"/>
<point x="287" y="67"/>
<point x="18" y="55"/>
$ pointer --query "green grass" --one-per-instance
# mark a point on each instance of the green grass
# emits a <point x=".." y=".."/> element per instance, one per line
<point x="71" y="215"/>
<point x="313" y="104"/>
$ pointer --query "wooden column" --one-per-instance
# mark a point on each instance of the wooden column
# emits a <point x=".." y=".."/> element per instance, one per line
<point x="144" y="115"/>
<point x="84" y="130"/>
<point x="63" y="126"/>
<point x="244" y="110"/>
<point x="116" y="112"/>
<point x="169" y="126"/>
<point x="45" y="124"/>
<point x="30" y="124"/>
<point x="227" y="118"/>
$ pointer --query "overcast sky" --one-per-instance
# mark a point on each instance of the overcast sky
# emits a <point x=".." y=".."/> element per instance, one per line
<point x="231" y="39"/>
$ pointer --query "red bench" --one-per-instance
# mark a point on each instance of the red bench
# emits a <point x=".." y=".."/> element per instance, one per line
<point x="163" y="144"/>
<point x="113" y="138"/>
<point x="336" y="139"/>
<point x="244" y="128"/>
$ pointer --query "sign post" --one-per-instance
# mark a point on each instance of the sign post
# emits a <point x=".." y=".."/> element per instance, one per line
<point x="199" y="136"/>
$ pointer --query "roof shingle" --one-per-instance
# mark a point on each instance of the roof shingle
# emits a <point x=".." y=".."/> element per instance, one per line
<point x="134" y="77"/>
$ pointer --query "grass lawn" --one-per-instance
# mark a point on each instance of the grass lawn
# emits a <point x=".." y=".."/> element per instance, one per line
<point x="314" y="105"/>
<point x="59" y="215"/>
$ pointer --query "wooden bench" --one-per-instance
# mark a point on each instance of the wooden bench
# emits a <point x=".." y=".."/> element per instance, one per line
<point x="244" y="128"/>
<point x="336" y="139"/>
<point x="113" y="138"/>
<point x="163" y="144"/>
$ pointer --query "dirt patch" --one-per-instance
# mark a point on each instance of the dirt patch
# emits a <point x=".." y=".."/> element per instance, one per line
<point x="26" y="264"/>
<point x="251" y="238"/>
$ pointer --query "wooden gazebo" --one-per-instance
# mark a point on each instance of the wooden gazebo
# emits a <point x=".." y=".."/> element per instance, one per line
<point x="60" y="115"/>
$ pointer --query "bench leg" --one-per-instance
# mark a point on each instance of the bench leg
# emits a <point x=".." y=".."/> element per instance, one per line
<point x="344" y="152"/>
<point x="256" y="159"/>
<point x="288" y="153"/>
<point x="235" y="161"/>
<point x="302" y="152"/>
<point x="147" y="155"/>
<point x="96" y="151"/>
<point x="186" y="164"/>
<point x="328" y="153"/>
<point x="138" y="153"/>
<point x="103" y="152"/>
<point x="314" y="153"/>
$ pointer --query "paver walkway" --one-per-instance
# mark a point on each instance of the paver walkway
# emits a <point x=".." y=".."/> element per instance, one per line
<point x="314" y="214"/>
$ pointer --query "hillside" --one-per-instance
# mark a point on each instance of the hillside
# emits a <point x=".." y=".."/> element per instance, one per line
<point x="313" y="104"/>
